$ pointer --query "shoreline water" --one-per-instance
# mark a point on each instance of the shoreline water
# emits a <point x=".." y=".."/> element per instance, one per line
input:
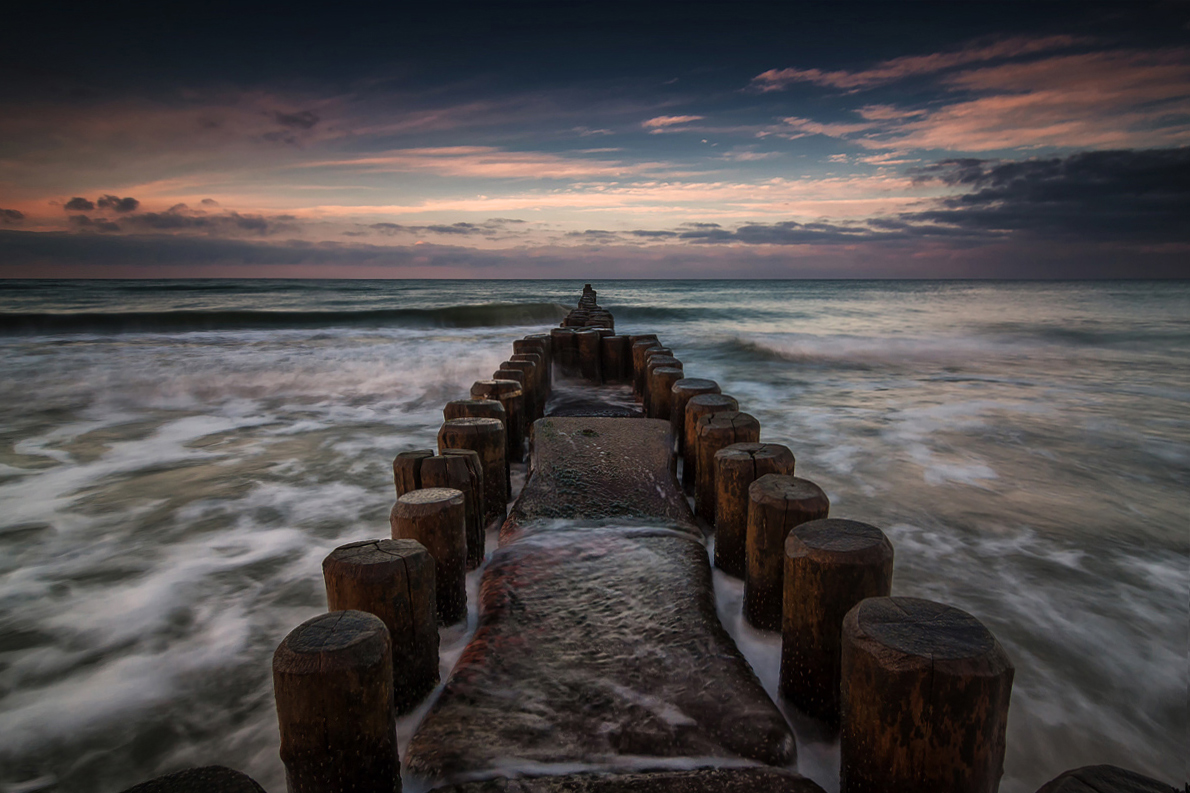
<point x="167" y="493"/>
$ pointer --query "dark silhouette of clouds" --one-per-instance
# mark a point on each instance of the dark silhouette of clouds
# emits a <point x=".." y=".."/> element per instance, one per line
<point x="11" y="215"/>
<point x="1112" y="195"/>
<point x="488" y="227"/>
<point x="180" y="218"/>
<point x="303" y="119"/>
<point x="79" y="204"/>
<point x="84" y="222"/>
<point x="117" y="204"/>
<point x="209" y="202"/>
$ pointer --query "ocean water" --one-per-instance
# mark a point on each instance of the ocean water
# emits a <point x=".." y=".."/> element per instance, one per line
<point x="176" y="458"/>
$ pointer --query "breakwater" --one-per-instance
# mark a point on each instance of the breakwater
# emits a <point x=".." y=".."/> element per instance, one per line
<point x="602" y="494"/>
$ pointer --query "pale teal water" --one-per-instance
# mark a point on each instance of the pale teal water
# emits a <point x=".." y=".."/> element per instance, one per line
<point x="177" y="457"/>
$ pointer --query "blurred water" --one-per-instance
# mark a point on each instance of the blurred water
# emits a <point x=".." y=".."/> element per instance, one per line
<point x="177" y="457"/>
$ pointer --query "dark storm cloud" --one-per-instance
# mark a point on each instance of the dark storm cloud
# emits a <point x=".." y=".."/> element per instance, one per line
<point x="117" y="204"/>
<point x="79" y="204"/>
<point x="11" y="215"/>
<point x="304" y="119"/>
<point x="209" y="202"/>
<point x="647" y="234"/>
<point x="1107" y="195"/>
<point x="488" y="227"/>
<point x="180" y="218"/>
<point x="594" y="235"/>
<point x="84" y="222"/>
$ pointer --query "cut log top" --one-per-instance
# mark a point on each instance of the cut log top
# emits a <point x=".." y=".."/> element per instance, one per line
<point x="335" y="640"/>
<point x="832" y="538"/>
<point x="476" y="424"/>
<point x="429" y="499"/>
<point x="773" y="453"/>
<point x="778" y="488"/>
<point x="917" y="629"/>
<point x="728" y="419"/>
<point x="494" y="387"/>
<point x="375" y="553"/>
<point x="697" y="385"/>
<point x="712" y="402"/>
<point x="1104" y="779"/>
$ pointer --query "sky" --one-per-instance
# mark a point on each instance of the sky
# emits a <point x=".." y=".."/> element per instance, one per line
<point x="582" y="139"/>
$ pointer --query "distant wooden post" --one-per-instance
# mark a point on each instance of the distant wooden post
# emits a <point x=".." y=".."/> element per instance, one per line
<point x="639" y="349"/>
<point x="534" y="369"/>
<point x="696" y="408"/>
<point x="830" y="566"/>
<point x="565" y="351"/>
<point x="333" y="682"/>
<point x="717" y="431"/>
<point x="736" y="467"/>
<point x="393" y="579"/>
<point x="486" y="438"/>
<point x="776" y="504"/>
<point x="436" y="517"/>
<point x="616" y="356"/>
<point x="589" y="350"/>
<point x="475" y="409"/>
<point x="925" y="691"/>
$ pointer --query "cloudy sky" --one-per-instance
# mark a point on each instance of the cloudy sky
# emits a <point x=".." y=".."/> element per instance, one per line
<point x="598" y="140"/>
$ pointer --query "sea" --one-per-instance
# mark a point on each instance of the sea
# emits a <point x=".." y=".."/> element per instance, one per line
<point x="178" y="456"/>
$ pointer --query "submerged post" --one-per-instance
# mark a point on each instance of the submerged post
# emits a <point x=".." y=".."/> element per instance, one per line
<point x="925" y="690"/>
<point x="393" y="579"/>
<point x="333" y="682"/>
<point x="830" y="566"/>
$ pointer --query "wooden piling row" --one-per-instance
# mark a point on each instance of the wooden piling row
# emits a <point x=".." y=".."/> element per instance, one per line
<point x="918" y="689"/>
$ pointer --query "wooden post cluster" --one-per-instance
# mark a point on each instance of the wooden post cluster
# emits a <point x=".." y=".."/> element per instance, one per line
<point x="333" y="682"/>
<point x="919" y="690"/>
<point x="776" y="504"/>
<point x="830" y="566"/>
<point x="924" y="699"/>
<point x="715" y="431"/>
<point x="436" y="517"/>
<point x="394" y="580"/>
<point x="736" y="467"/>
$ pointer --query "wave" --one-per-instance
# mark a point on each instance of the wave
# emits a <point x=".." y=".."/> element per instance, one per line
<point x="468" y="316"/>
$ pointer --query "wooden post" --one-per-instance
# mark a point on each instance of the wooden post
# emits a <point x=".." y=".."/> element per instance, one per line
<point x="616" y="358"/>
<point x="925" y="691"/>
<point x="655" y="361"/>
<point x="565" y="352"/>
<point x="588" y="343"/>
<point x="776" y="504"/>
<point x="475" y="409"/>
<point x="713" y="432"/>
<point x="526" y="405"/>
<point x="638" y="363"/>
<point x="830" y="566"/>
<point x="509" y="393"/>
<point x="736" y="467"/>
<point x="333" y="682"/>
<point x="534" y="394"/>
<point x="1090" y="779"/>
<point x="661" y="383"/>
<point x="536" y="374"/>
<point x="462" y="470"/>
<point x="696" y="408"/>
<point x="436" y="517"/>
<point x="542" y="344"/>
<point x="393" y="579"/>
<point x="683" y="391"/>
<point x="407" y="470"/>
<point x="485" y="437"/>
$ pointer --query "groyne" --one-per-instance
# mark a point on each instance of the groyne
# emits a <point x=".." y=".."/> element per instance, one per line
<point x="599" y="662"/>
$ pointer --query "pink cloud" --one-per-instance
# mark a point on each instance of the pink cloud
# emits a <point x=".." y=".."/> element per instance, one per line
<point x="661" y="123"/>
<point x="910" y="65"/>
<point x="485" y="162"/>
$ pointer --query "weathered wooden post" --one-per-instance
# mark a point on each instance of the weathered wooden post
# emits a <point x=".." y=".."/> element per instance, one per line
<point x="475" y="409"/>
<point x="655" y="361"/>
<point x="776" y="504"/>
<point x="616" y="356"/>
<point x="1102" y="779"/>
<point x="588" y="343"/>
<point x="713" y="432"/>
<point x="485" y="437"/>
<point x="736" y="467"/>
<point x="462" y="470"/>
<point x="683" y="391"/>
<point x="393" y="579"/>
<point x="638" y="363"/>
<point x="407" y="470"/>
<point x="565" y="351"/>
<point x="436" y="517"/>
<point x="526" y="405"/>
<point x="925" y="691"/>
<point x="333" y="682"/>
<point x="830" y="566"/>
<point x="534" y="369"/>
<point x="661" y="384"/>
<point x="528" y="380"/>
<point x="696" y="408"/>
<point x="509" y="393"/>
<point x="541" y="343"/>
